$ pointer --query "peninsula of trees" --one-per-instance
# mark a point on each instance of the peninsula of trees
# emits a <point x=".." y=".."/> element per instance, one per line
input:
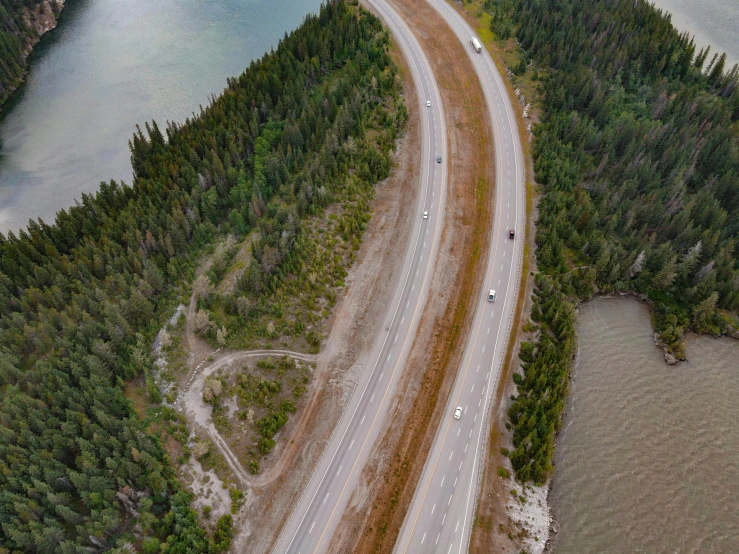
<point x="638" y="156"/>
<point x="81" y="299"/>
<point x="22" y="22"/>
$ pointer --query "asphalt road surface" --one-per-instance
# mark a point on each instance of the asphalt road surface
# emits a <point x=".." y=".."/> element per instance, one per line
<point x="314" y="519"/>
<point x="443" y="506"/>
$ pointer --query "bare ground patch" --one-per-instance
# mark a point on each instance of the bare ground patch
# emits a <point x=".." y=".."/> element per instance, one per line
<point x="378" y="505"/>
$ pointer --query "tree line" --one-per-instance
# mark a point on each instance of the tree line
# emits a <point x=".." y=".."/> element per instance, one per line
<point x="637" y="156"/>
<point x="81" y="299"/>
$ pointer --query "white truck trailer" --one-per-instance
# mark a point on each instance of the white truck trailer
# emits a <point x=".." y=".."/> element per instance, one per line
<point x="476" y="44"/>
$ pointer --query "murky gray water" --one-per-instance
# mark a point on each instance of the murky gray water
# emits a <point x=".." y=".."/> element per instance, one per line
<point x="714" y="22"/>
<point x="110" y="65"/>
<point x="648" y="458"/>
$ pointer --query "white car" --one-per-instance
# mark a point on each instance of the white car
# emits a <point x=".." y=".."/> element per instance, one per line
<point x="491" y="296"/>
<point x="428" y="103"/>
<point x="425" y="214"/>
<point x="458" y="412"/>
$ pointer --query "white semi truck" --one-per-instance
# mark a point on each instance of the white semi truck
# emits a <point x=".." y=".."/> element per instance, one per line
<point x="476" y="44"/>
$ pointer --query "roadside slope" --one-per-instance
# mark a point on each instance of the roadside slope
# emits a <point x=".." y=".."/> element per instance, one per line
<point x="357" y="319"/>
<point x="324" y="500"/>
<point x="377" y="506"/>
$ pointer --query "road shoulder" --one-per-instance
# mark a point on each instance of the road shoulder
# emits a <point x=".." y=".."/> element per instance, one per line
<point x="385" y="487"/>
<point x="355" y="323"/>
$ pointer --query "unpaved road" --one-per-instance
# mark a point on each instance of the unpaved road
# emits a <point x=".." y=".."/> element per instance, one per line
<point x="440" y="516"/>
<point x="323" y="501"/>
<point x="199" y="413"/>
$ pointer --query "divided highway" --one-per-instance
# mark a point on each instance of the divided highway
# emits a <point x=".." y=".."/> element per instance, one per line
<point x="443" y="506"/>
<point x="313" y="520"/>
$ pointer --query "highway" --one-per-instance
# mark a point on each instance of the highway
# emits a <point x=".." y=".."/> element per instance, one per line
<point x="443" y="505"/>
<point x="314" y="518"/>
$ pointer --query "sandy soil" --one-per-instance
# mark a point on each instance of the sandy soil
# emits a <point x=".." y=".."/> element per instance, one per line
<point x="385" y="488"/>
<point x="351" y="330"/>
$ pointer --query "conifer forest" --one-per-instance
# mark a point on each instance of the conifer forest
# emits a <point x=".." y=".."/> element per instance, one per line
<point x="82" y="298"/>
<point x="636" y="159"/>
<point x="637" y="155"/>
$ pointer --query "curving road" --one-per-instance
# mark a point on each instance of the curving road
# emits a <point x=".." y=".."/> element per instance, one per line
<point x="443" y="506"/>
<point x="317" y="512"/>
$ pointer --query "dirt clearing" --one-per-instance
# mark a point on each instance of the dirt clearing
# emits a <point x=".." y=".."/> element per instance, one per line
<point x="385" y="488"/>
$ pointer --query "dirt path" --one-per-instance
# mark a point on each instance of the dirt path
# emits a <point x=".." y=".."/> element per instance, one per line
<point x="199" y="413"/>
<point x="197" y="348"/>
<point x="379" y="503"/>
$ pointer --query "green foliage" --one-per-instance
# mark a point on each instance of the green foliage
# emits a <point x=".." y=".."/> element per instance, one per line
<point x="268" y="400"/>
<point x="308" y="233"/>
<point x="223" y="533"/>
<point x="81" y="300"/>
<point x="150" y="545"/>
<point x="237" y="499"/>
<point x="153" y="390"/>
<point x="637" y="154"/>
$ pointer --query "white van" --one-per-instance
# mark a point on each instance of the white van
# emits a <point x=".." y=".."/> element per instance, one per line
<point x="476" y="44"/>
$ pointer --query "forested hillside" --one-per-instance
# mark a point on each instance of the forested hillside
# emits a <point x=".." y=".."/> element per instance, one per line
<point x="21" y="22"/>
<point x="81" y="300"/>
<point x="637" y="155"/>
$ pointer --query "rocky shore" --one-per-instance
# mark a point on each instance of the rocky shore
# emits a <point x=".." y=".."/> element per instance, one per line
<point x="39" y="20"/>
<point x="529" y="513"/>
<point x="43" y="18"/>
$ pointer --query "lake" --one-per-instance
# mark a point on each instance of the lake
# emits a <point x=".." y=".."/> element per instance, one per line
<point x="110" y="65"/>
<point x="647" y="457"/>
<point x="711" y="22"/>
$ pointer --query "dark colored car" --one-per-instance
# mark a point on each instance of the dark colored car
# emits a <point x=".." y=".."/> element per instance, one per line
<point x="511" y="234"/>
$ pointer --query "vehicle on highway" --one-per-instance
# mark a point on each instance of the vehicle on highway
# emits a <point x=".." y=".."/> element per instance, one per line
<point x="491" y="296"/>
<point x="428" y="103"/>
<point x="438" y="159"/>
<point x="476" y="44"/>
<point x="425" y="214"/>
<point x="458" y="412"/>
<point x="511" y="234"/>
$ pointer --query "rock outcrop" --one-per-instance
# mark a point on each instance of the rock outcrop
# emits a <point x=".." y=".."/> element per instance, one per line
<point x="43" y="18"/>
<point x="28" y="25"/>
<point x="669" y="358"/>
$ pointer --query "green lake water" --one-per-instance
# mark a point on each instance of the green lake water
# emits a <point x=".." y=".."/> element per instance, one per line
<point x="110" y="65"/>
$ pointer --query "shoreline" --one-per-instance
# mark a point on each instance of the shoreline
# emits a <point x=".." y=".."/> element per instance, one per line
<point x="42" y="19"/>
<point x="562" y="503"/>
<point x="531" y="512"/>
